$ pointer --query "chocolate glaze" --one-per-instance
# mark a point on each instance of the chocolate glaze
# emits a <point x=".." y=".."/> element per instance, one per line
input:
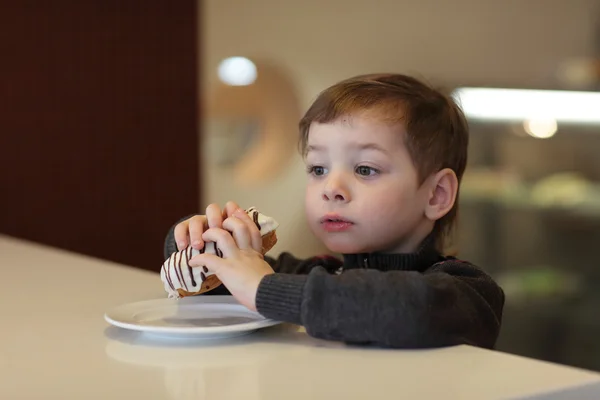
<point x="177" y="266"/>
<point x="185" y="252"/>
<point x="190" y="270"/>
<point x="255" y="219"/>
<point x="168" y="273"/>
<point x="192" y="275"/>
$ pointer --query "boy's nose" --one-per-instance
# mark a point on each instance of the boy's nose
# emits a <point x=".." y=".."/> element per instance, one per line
<point x="336" y="190"/>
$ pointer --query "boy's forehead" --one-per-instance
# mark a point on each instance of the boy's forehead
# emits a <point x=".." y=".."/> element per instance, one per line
<point x="358" y="129"/>
<point x="390" y="115"/>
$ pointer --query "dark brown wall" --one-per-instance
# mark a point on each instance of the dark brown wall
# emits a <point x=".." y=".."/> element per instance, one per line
<point x="98" y="124"/>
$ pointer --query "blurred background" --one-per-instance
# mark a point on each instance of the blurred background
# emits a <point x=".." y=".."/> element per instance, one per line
<point x="119" y="118"/>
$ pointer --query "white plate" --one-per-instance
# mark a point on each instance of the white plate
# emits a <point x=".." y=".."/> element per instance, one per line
<point x="206" y="317"/>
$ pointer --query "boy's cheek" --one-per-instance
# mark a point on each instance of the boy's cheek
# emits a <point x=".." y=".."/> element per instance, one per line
<point x="314" y="197"/>
<point x="311" y="198"/>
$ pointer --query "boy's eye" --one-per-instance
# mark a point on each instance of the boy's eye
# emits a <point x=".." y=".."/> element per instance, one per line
<point x="366" y="171"/>
<point x="316" y="170"/>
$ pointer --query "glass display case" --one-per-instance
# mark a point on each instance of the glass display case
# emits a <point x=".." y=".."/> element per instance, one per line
<point x="530" y="216"/>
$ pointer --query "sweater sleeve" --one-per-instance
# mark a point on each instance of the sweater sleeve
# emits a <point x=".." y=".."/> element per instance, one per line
<point x="451" y="303"/>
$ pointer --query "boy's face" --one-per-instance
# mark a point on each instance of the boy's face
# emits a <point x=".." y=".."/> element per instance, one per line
<point x="363" y="192"/>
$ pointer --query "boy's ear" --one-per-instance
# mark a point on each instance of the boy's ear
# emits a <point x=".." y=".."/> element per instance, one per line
<point x="443" y="188"/>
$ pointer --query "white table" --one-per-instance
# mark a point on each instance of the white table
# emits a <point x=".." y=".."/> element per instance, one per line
<point x="55" y="344"/>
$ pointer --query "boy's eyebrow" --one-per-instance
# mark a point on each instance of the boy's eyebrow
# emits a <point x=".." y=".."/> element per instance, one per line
<point x="371" y="146"/>
<point x="314" y="148"/>
<point x="359" y="146"/>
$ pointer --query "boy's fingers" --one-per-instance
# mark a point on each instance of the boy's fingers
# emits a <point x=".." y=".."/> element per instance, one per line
<point x="230" y="208"/>
<point x="196" y="226"/>
<point x="240" y="232"/>
<point x="225" y="244"/>
<point x="181" y="235"/>
<point x="214" y="216"/>
<point x="210" y="261"/>
<point x="252" y="228"/>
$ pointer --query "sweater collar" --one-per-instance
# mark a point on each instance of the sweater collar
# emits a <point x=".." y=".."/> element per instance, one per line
<point x="420" y="260"/>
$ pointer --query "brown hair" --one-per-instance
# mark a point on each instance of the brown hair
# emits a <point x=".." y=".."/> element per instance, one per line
<point x="437" y="132"/>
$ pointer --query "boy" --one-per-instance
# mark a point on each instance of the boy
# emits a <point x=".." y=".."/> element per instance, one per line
<point x="385" y="155"/>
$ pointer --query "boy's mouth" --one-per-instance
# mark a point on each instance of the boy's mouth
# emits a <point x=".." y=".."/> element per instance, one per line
<point x="335" y="223"/>
<point x="334" y="218"/>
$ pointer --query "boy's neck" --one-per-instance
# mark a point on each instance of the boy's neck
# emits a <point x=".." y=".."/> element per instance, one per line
<point x="422" y="258"/>
<point x="413" y="243"/>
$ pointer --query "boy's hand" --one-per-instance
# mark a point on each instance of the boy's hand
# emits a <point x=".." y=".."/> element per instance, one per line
<point x="242" y="267"/>
<point x="190" y="231"/>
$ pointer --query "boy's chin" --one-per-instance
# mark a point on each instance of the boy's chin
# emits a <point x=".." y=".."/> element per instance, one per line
<point x="345" y="248"/>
